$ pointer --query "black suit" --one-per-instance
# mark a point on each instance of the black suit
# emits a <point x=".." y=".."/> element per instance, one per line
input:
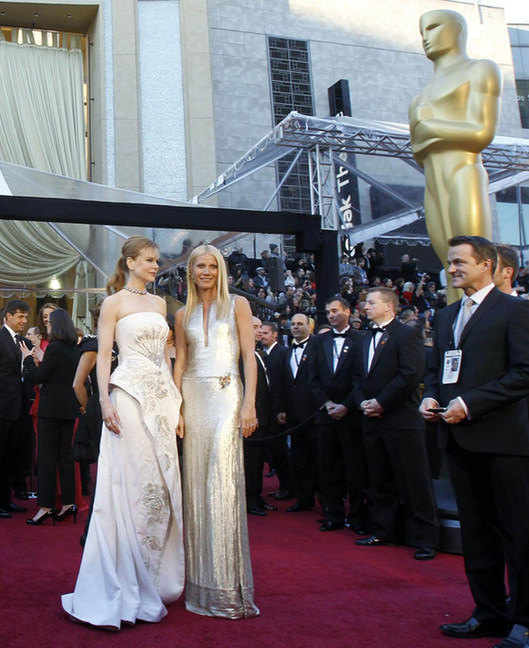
<point x="395" y="443"/>
<point x="298" y="404"/>
<point x="488" y="453"/>
<point x="274" y="361"/>
<point x="10" y="409"/>
<point x="58" y="409"/>
<point x="342" y="462"/>
<point x="254" y="449"/>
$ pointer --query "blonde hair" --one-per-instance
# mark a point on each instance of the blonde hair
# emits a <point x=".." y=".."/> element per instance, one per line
<point x="223" y="296"/>
<point x="132" y="248"/>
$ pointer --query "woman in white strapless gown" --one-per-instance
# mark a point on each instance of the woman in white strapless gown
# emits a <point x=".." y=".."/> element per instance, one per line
<point x="133" y="560"/>
<point x="209" y="337"/>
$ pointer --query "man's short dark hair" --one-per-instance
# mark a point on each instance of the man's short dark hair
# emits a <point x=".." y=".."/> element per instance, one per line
<point x="271" y="325"/>
<point x="15" y="305"/>
<point x="483" y="249"/>
<point x="387" y="295"/>
<point x="340" y="299"/>
<point x="508" y="258"/>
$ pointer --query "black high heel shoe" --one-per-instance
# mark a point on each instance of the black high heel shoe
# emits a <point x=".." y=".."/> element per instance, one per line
<point x="72" y="510"/>
<point x="50" y="513"/>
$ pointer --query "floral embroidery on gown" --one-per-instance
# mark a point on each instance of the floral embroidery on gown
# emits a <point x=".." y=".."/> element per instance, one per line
<point x="133" y="560"/>
<point x="219" y="578"/>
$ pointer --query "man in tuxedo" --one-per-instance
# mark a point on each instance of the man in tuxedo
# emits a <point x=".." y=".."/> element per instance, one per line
<point x="274" y="359"/>
<point x="342" y="461"/>
<point x="507" y="269"/>
<point x="15" y="317"/>
<point x="391" y="367"/>
<point x="479" y="372"/>
<point x="296" y="406"/>
<point x="254" y="451"/>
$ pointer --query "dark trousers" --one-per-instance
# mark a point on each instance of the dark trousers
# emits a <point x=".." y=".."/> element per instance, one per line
<point x="7" y="443"/>
<point x="55" y="451"/>
<point x="254" y="456"/>
<point x="492" y="494"/>
<point x="280" y="455"/>
<point x="23" y="450"/>
<point x="304" y="455"/>
<point x="399" y="470"/>
<point x="342" y="471"/>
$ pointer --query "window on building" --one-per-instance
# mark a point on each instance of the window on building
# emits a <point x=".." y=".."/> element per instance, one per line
<point x="519" y="36"/>
<point x="291" y="87"/>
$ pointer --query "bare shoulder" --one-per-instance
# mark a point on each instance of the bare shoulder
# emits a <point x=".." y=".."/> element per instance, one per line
<point x="111" y="304"/>
<point x="179" y="316"/>
<point x="242" y="308"/>
<point x="161" y="303"/>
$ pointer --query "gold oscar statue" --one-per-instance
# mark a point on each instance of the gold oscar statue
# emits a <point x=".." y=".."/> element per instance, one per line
<point x="451" y="121"/>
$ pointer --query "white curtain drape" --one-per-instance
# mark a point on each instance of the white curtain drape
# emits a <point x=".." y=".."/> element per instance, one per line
<point x="41" y="126"/>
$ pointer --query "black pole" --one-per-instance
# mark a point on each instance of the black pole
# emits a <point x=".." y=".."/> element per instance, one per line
<point x="326" y="262"/>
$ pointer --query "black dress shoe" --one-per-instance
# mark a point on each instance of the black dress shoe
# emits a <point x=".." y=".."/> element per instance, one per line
<point x="22" y="495"/>
<point x="297" y="508"/>
<point x="374" y="541"/>
<point x="268" y="507"/>
<point x="5" y="514"/>
<point x="283" y="495"/>
<point x="329" y="525"/>
<point x="14" y="508"/>
<point x="358" y="529"/>
<point x="425" y="553"/>
<point x="270" y="473"/>
<point x="257" y="511"/>
<point x="472" y="628"/>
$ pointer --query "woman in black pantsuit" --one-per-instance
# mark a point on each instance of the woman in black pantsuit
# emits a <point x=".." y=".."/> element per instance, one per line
<point x="58" y="409"/>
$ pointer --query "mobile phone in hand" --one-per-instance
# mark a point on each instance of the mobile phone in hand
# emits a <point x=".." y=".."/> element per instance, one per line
<point x="436" y="410"/>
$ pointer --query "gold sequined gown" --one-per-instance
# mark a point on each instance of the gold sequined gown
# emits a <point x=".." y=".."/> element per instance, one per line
<point x="133" y="560"/>
<point x="218" y="570"/>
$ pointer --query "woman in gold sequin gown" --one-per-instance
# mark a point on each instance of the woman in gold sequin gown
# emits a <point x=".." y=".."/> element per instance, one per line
<point x="211" y="332"/>
<point x="133" y="561"/>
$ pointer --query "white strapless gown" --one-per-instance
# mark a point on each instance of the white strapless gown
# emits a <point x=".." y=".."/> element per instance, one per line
<point x="133" y="560"/>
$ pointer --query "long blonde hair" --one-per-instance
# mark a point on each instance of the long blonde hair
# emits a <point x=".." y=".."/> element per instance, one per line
<point x="223" y="296"/>
<point x="132" y="248"/>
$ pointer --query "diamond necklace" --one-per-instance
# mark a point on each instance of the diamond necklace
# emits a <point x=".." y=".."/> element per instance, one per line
<point x="136" y="292"/>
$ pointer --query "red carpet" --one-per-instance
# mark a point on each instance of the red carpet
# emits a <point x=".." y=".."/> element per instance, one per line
<point x="314" y="590"/>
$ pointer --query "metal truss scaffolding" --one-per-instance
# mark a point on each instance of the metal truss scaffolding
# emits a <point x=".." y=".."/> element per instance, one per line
<point x="332" y="142"/>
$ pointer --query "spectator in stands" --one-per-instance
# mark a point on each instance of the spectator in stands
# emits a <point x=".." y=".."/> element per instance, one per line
<point x="289" y="278"/>
<point x="345" y="269"/>
<point x="408" y="268"/>
<point x="238" y="260"/>
<point x="430" y="293"/>
<point x="407" y="291"/>
<point x="261" y="279"/>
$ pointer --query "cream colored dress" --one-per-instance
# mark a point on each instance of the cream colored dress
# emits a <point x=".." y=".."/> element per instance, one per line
<point x="133" y="560"/>
<point x="218" y="570"/>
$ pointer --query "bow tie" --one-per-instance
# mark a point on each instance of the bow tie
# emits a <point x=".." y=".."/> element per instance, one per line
<point x="376" y="329"/>
<point x="336" y="335"/>
<point x="295" y="345"/>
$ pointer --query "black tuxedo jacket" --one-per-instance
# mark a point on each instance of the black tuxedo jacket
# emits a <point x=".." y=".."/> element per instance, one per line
<point x="494" y="376"/>
<point x="11" y="376"/>
<point x="55" y="374"/>
<point x="274" y="362"/>
<point x="296" y="398"/>
<point x="325" y="384"/>
<point x="262" y="394"/>
<point x="394" y="377"/>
